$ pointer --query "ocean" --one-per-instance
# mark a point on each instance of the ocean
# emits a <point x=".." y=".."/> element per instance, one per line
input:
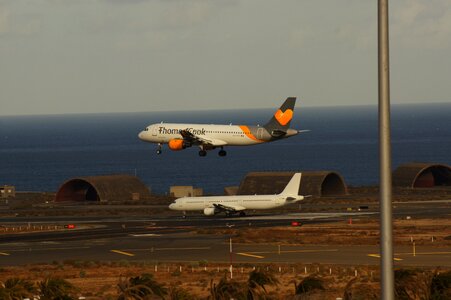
<point x="39" y="153"/>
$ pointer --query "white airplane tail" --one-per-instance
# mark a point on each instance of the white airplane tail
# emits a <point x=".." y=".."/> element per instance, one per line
<point x="292" y="188"/>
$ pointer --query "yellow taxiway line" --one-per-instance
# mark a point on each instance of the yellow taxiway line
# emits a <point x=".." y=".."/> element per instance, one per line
<point x="295" y="251"/>
<point x="122" y="252"/>
<point x="4" y="253"/>
<point x="412" y="254"/>
<point x="250" y="255"/>
<point x="169" y="249"/>
<point x="182" y="248"/>
<point x="378" y="256"/>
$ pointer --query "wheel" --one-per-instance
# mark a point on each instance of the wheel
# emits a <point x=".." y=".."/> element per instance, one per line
<point x="242" y="213"/>
<point x="159" y="151"/>
<point x="202" y="153"/>
<point x="222" y="153"/>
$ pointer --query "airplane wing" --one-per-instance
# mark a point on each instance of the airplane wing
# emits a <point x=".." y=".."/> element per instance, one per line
<point x="228" y="208"/>
<point x="197" y="140"/>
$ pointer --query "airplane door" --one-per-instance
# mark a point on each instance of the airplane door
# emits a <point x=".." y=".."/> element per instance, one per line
<point x="260" y="133"/>
<point x="154" y="130"/>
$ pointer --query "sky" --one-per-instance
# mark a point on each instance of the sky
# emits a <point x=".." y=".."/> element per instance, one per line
<point x="100" y="56"/>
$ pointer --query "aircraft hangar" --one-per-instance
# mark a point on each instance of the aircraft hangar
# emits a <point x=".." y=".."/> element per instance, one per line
<point x="315" y="183"/>
<point x="422" y="175"/>
<point x="104" y="189"/>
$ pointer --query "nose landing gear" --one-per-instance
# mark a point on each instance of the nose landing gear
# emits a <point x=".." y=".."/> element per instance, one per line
<point x="159" y="149"/>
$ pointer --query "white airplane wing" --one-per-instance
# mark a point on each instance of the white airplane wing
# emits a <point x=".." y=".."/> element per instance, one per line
<point x="197" y="140"/>
<point x="229" y="207"/>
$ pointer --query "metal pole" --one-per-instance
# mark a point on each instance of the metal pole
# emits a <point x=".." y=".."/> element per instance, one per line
<point x="387" y="275"/>
<point x="231" y="258"/>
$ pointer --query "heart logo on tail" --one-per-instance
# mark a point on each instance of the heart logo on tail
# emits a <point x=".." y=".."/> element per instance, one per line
<point x="283" y="117"/>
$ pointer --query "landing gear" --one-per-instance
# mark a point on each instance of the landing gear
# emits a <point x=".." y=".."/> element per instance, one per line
<point x="202" y="153"/>
<point x="159" y="149"/>
<point x="222" y="152"/>
<point x="242" y="213"/>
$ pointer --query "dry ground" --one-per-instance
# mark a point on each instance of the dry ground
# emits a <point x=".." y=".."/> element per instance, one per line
<point x="361" y="232"/>
<point x="95" y="280"/>
<point x="98" y="280"/>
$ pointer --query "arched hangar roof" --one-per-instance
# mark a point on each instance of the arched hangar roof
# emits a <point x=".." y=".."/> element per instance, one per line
<point x="103" y="188"/>
<point x="422" y="175"/>
<point x="315" y="183"/>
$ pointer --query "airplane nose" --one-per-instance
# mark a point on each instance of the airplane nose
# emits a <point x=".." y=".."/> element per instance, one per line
<point x="172" y="206"/>
<point x="141" y="135"/>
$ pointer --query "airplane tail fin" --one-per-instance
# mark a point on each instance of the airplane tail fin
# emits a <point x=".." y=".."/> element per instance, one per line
<point x="292" y="188"/>
<point x="280" y="122"/>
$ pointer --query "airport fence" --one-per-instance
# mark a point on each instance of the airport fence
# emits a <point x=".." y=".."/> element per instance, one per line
<point x="319" y="270"/>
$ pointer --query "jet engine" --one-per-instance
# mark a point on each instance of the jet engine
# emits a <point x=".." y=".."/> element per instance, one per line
<point x="209" y="211"/>
<point x="177" y="144"/>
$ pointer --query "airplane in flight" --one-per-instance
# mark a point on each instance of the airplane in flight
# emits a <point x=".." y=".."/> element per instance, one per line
<point x="212" y="205"/>
<point x="209" y="137"/>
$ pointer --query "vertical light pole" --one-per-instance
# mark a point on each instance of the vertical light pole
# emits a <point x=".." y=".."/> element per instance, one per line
<point x="231" y="258"/>
<point x="230" y="250"/>
<point x="387" y="276"/>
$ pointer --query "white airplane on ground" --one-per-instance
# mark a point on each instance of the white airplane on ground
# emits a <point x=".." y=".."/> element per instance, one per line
<point x="209" y="137"/>
<point x="212" y="205"/>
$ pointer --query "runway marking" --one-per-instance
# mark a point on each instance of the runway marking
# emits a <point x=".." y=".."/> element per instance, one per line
<point x="250" y="255"/>
<point x="46" y="249"/>
<point x="122" y="252"/>
<point x="145" y="234"/>
<point x="378" y="256"/>
<point x="294" y="251"/>
<point x="167" y="249"/>
<point x="192" y="248"/>
<point x="307" y="251"/>
<point x="4" y="253"/>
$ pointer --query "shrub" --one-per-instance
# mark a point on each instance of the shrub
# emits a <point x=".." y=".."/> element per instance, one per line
<point x="55" y="289"/>
<point x="441" y="286"/>
<point x="309" y="283"/>
<point x="16" y="288"/>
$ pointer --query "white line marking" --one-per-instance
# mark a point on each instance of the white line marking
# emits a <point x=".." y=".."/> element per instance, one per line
<point x="122" y="252"/>
<point x="250" y="255"/>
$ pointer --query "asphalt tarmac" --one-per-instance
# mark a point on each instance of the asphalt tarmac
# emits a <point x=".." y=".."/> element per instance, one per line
<point x="170" y="239"/>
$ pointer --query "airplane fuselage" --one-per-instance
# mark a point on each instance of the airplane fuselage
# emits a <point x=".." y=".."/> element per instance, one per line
<point x="230" y="135"/>
<point x="247" y="202"/>
<point x="212" y="205"/>
<point x="209" y="136"/>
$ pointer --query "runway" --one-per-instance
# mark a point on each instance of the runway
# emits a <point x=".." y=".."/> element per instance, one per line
<point x="87" y="228"/>
<point x="171" y="239"/>
<point x="187" y="247"/>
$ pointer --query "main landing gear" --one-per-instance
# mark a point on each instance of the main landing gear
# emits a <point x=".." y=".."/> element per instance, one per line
<point x="222" y="152"/>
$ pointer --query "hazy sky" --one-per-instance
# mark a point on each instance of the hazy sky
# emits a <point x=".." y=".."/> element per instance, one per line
<point x="71" y="56"/>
